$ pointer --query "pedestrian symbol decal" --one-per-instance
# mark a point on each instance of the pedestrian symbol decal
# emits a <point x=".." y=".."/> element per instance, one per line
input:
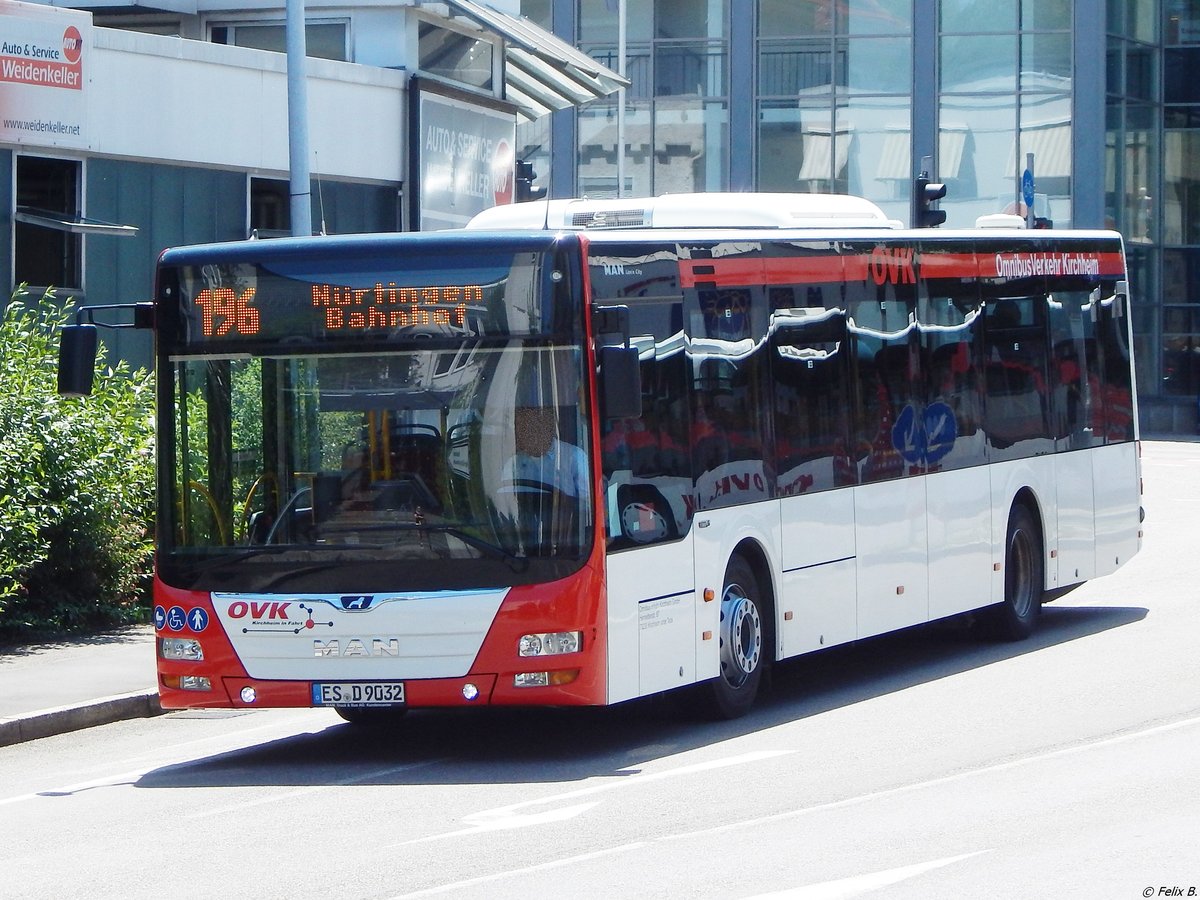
<point x="197" y="619"/>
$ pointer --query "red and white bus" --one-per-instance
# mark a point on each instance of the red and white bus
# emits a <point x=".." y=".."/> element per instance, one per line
<point x="582" y="452"/>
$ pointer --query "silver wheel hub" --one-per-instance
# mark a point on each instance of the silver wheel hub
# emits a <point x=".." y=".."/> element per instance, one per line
<point x="741" y="636"/>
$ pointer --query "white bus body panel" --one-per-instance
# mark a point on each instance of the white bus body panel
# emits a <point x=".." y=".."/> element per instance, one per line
<point x="717" y="532"/>
<point x="1117" y="473"/>
<point x="818" y="588"/>
<point x="439" y="633"/>
<point x="1036" y="473"/>
<point x="960" y="540"/>
<point x="651" y="619"/>
<point x="1076" y="517"/>
<point x="893" y="574"/>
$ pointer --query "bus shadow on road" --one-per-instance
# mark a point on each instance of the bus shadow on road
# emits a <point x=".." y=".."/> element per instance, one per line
<point x="567" y="745"/>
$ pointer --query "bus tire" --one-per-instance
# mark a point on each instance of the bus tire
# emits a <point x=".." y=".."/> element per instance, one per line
<point x="744" y="645"/>
<point x="1024" y="580"/>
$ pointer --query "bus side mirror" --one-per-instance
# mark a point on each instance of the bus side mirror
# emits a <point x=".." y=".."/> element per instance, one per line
<point x="620" y="383"/>
<point x="77" y="359"/>
<point x="1120" y="298"/>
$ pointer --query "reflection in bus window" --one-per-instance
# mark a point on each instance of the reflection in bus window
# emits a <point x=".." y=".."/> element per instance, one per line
<point x="886" y="433"/>
<point x="812" y="400"/>
<point x="1113" y="327"/>
<point x="646" y="461"/>
<point x="949" y="320"/>
<point x="1076" y="388"/>
<point x="1017" y="406"/>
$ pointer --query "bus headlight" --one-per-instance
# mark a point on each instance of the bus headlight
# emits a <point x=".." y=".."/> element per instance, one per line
<point x="550" y="644"/>
<point x="187" y="682"/>
<point x="185" y="649"/>
<point x="544" y="679"/>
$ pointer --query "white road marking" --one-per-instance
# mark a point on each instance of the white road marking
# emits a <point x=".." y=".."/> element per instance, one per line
<point x="860" y="884"/>
<point x="857" y="885"/>
<point x="509" y="817"/>
<point x="945" y="779"/>
<point x="301" y="792"/>
<point x="527" y="870"/>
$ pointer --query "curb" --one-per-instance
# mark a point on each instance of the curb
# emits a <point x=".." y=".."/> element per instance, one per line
<point x="62" y="719"/>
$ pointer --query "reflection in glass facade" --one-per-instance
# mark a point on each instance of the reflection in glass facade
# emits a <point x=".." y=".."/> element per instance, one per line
<point x="1179" y="342"/>
<point x="1005" y="91"/>
<point x="676" y="123"/>
<point x="849" y="95"/>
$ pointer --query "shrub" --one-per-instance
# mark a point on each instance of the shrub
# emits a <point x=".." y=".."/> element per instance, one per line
<point x="76" y="484"/>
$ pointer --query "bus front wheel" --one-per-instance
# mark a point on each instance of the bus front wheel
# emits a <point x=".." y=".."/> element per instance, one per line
<point x="744" y="645"/>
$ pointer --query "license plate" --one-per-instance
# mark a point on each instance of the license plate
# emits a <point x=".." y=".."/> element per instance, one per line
<point x="358" y="693"/>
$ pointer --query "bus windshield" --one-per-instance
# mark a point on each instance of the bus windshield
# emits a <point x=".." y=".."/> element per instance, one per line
<point x="372" y="428"/>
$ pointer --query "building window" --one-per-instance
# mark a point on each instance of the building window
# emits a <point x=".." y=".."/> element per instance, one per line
<point x="270" y="207"/>
<point x="676" y="117"/>
<point x="834" y="98"/>
<point x="324" y="40"/>
<point x="48" y="257"/>
<point x="455" y="56"/>
<point x="1005" y="78"/>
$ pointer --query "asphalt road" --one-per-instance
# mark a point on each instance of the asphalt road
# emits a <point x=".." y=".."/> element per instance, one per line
<point x="921" y="765"/>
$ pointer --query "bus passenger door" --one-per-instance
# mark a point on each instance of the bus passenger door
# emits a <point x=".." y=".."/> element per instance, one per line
<point x="891" y="527"/>
<point x="648" y="505"/>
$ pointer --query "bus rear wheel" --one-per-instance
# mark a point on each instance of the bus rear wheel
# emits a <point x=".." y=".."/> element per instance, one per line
<point x="1024" y="580"/>
<point x="744" y="645"/>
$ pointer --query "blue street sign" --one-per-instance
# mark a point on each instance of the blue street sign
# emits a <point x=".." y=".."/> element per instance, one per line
<point x="941" y="431"/>
<point x="1027" y="188"/>
<point x="925" y="438"/>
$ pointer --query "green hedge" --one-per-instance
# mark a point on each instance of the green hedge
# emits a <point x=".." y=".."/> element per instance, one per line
<point x="76" y="484"/>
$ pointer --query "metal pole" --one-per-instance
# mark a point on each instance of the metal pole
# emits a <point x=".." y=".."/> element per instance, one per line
<point x="1030" y="217"/>
<point x="621" y="28"/>
<point x="297" y="90"/>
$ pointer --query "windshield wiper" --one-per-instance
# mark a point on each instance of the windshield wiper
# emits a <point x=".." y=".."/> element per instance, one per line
<point x="516" y="563"/>
<point x="276" y="550"/>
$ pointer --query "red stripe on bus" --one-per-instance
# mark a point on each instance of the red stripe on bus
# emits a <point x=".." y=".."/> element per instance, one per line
<point x="853" y="267"/>
<point x="773" y="270"/>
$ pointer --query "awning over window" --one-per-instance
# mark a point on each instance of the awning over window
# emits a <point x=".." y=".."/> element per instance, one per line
<point x="542" y="72"/>
<point x="57" y="221"/>
<point x="895" y="163"/>
<point x="821" y="147"/>
<point x="1050" y="144"/>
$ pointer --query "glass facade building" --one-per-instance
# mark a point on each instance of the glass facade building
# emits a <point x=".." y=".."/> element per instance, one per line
<point x="858" y="96"/>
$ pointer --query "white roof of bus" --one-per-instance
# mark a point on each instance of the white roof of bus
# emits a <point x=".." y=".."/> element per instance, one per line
<point x="708" y="210"/>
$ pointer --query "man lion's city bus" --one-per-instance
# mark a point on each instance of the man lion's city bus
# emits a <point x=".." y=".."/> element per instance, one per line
<point x="586" y="451"/>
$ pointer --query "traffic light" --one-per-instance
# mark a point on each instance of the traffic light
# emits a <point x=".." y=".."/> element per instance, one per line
<point x="928" y="193"/>
<point x="525" y="189"/>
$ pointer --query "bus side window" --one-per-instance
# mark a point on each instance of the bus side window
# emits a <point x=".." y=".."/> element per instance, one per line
<point x="888" y="367"/>
<point x="1076" y="394"/>
<point x="1112" y="328"/>
<point x="646" y="461"/>
<point x="810" y="377"/>
<point x="1018" y="401"/>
